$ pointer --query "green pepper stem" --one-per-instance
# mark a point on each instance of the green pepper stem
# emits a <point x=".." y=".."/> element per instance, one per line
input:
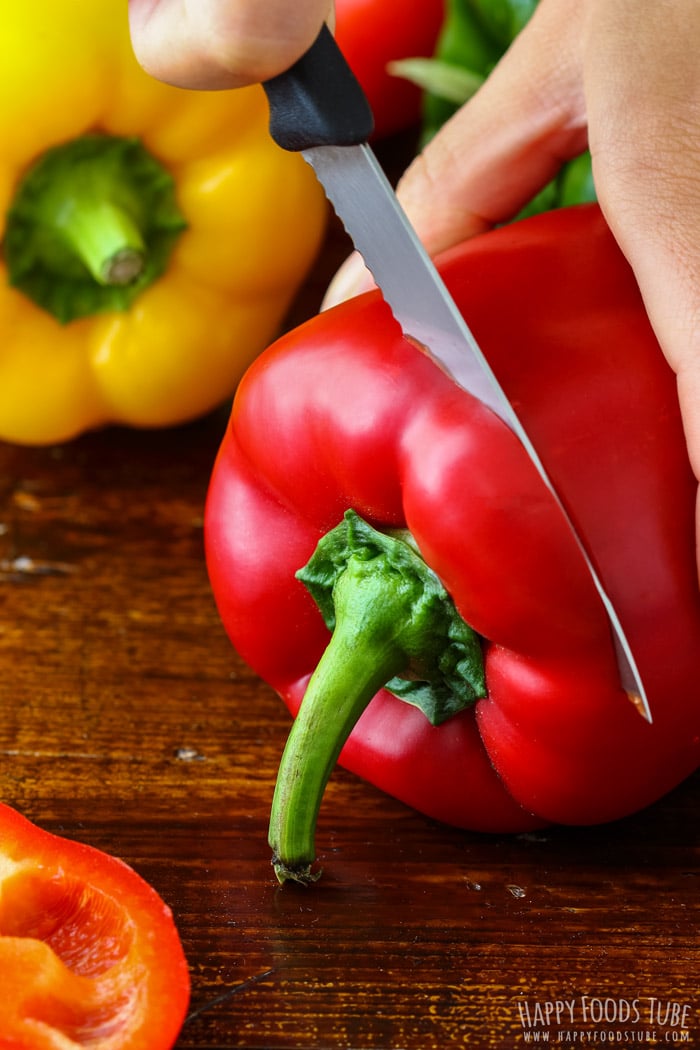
<point x="393" y="625"/>
<point x="91" y="225"/>
<point x="103" y="235"/>
<point x="363" y="654"/>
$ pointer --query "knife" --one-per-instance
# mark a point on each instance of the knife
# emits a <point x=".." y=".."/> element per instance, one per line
<point x="318" y="109"/>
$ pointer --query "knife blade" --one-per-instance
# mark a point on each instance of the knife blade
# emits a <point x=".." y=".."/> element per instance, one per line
<point x="317" y="108"/>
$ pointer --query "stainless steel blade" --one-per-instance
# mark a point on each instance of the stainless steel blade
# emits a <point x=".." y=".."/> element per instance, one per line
<point x="368" y="207"/>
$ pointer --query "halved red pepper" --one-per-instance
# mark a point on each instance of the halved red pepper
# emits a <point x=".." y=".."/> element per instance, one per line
<point x="344" y="414"/>
<point x="89" y="953"/>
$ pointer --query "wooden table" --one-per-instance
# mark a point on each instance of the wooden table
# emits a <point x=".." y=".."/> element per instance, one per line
<point x="130" y="723"/>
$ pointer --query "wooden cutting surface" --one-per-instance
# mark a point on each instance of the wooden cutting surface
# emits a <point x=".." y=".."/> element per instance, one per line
<point x="129" y="722"/>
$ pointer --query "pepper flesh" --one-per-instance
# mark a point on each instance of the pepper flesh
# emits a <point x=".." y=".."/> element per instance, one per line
<point x="356" y="416"/>
<point x="254" y="218"/>
<point x="89" y="953"/>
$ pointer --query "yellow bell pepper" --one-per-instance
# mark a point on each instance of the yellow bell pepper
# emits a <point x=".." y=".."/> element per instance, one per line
<point x="152" y="238"/>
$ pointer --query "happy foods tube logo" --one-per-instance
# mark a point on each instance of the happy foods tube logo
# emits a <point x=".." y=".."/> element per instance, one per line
<point x="588" y="1020"/>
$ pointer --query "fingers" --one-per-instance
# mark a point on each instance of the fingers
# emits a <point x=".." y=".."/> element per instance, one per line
<point x="644" y="112"/>
<point x="222" y="43"/>
<point x="500" y="148"/>
<point x="509" y="140"/>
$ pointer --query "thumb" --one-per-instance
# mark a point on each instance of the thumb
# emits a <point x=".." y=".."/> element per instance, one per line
<point x="222" y="43"/>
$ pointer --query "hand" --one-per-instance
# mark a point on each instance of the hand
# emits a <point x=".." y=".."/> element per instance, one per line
<point x="222" y="43"/>
<point x="621" y="76"/>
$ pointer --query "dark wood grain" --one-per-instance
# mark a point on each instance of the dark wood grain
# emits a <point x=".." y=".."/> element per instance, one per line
<point x="130" y="723"/>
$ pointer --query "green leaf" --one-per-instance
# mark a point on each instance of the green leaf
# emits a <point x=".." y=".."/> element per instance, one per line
<point x="443" y="79"/>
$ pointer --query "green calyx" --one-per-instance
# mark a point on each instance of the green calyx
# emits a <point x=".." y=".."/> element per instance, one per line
<point x="395" y="626"/>
<point x="441" y="666"/>
<point x="92" y="224"/>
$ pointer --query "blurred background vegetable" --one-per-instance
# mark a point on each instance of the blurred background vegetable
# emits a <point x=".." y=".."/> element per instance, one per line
<point x="374" y="33"/>
<point x="145" y="266"/>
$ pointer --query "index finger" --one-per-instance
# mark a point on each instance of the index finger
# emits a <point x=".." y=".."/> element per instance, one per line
<point x="508" y="141"/>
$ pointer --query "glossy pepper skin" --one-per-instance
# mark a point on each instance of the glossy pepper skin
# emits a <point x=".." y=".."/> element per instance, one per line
<point x="89" y="953"/>
<point x="357" y="417"/>
<point x="251" y="215"/>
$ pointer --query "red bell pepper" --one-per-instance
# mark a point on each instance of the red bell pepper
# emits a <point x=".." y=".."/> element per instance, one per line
<point x="374" y="33"/>
<point x="89" y="953"/>
<point x="345" y="414"/>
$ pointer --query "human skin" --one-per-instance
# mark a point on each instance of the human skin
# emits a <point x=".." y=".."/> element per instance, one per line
<point x="216" y="44"/>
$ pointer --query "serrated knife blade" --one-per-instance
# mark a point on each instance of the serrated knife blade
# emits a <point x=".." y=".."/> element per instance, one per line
<point x="317" y="108"/>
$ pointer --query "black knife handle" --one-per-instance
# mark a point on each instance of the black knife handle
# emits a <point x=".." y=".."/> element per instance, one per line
<point x="318" y="101"/>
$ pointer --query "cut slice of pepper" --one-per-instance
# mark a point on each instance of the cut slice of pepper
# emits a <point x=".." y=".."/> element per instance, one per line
<point x="89" y="952"/>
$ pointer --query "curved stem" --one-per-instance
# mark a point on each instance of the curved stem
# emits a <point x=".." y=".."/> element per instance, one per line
<point x="359" y="660"/>
<point x="391" y="620"/>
